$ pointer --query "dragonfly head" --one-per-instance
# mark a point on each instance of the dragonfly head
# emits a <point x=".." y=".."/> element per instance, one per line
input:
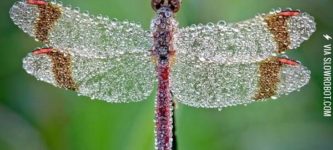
<point x="174" y="5"/>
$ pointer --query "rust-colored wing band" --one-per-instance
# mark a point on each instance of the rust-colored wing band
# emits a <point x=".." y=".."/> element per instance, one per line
<point x="48" y="15"/>
<point x="277" y="24"/>
<point x="62" y="70"/>
<point x="269" y="78"/>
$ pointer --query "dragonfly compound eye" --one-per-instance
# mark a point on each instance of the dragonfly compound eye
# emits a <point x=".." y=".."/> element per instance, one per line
<point x="157" y="4"/>
<point x="174" y="5"/>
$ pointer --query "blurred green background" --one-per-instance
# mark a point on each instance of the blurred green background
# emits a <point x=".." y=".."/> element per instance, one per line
<point x="38" y="116"/>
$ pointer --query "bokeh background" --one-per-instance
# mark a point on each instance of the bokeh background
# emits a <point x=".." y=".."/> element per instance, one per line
<point x="38" y="116"/>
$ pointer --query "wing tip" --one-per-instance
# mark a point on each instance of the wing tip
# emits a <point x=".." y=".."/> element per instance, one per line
<point x="39" y="66"/>
<point x="300" y="28"/>
<point x="293" y="78"/>
<point x="24" y="16"/>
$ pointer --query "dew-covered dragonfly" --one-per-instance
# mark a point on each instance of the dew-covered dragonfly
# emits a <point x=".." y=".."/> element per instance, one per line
<point x="207" y="66"/>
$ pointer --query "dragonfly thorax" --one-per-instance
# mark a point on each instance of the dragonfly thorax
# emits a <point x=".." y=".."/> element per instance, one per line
<point x="163" y="28"/>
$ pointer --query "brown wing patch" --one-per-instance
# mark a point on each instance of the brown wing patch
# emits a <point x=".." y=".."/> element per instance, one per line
<point x="269" y="78"/>
<point x="48" y="15"/>
<point x="62" y="70"/>
<point x="277" y="24"/>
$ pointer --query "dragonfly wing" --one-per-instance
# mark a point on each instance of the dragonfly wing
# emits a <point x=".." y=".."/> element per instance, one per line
<point x="248" y="41"/>
<point x="79" y="33"/>
<point x="127" y="78"/>
<point x="212" y="85"/>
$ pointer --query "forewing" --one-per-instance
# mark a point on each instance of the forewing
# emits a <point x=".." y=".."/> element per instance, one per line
<point x="79" y="33"/>
<point x="249" y="41"/>
<point x="212" y="85"/>
<point x="127" y="78"/>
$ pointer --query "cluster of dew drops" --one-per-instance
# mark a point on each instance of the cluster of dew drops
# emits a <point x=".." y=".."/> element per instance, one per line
<point x="195" y="81"/>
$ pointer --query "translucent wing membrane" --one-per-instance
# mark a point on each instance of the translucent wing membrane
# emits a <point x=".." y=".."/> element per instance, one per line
<point x="212" y="85"/>
<point x="79" y="33"/>
<point x="300" y="28"/>
<point x="217" y="65"/>
<point x="248" y="41"/>
<point x="125" y="78"/>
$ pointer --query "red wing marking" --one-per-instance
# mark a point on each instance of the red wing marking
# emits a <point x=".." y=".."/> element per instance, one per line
<point x="36" y="2"/>
<point x="289" y="13"/>
<point x="42" y="51"/>
<point x="288" y="61"/>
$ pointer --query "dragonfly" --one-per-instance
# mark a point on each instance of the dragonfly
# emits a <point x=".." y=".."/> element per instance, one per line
<point x="206" y="66"/>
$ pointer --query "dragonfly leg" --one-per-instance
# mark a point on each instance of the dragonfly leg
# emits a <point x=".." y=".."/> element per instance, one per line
<point x="36" y="2"/>
<point x="174" y="137"/>
<point x="289" y="13"/>
<point x="42" y="51"/>
<point x="288" y="61"/>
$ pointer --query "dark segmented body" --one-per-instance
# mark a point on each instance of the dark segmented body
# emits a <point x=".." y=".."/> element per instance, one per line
<point x="163" y="28"/>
